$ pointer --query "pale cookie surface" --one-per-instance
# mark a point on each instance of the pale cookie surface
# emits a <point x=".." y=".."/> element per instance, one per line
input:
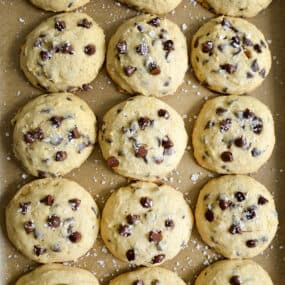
<point x="59" y="5"/>
<point x="148" y="276"/>
<point x="64" y="53"/>
<point x="54" y="134"/>
<point x="230" y="55"/>
<point x="55" y="274"/>
<point x="146" y="224"/>
<point x="52" y="220"/>
<point x="233" y="134"/>
<point x="234" y="272"/>
<point x="138" y="140"/>
<point x="236" y="216"/>
<point x="153" y="6"/>
<point x="148" y="55"/>
<point x="237" y="8"/>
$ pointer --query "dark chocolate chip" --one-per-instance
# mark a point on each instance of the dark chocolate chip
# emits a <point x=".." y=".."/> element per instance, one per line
<point x="229" y="68"/>
<point x="207" y="47"/>
<point x="240" y="142"/>
<point x="90" y="49"/>
<point x="256" y="152"/>
<point x="53" y="221"/>
<point x="262" y="73"/>
<point x="33" y="135"/>
<point x="167" y="143"/>
<point x="235" y="280"/>
<point x="257" y="48"/>
<point x="235" y="42"/>
<point x="227" y="156"/>
<point x="155" y="236"/>
<point x="154" y="68"/>
<point x="122" y="47"/>
<point x="141" y="151"/>
<point x="209" y="215"/>
<point x="163" y="113"/>
<point x="39" y="250"/>
<point x="29" y="227"/>
<point x="209" y="125"/>
<point x="146" y="202"/>
<point x="142" y="49"/>
<point x="226" y="23"/>
<point x="235" y="229"/>
<point x="38" y="42"/>
<point x="74" y="203"/>
<point x="113" y="162"/>
<point x="84" y="23"/>
<point x="240" y="196"/>
<point x="124" y="230"/>
<point x="48" y="200"/>
<point x="158" y="258"/>
<point x="129" y="70"/>
<point x="45" y="55"/>
<point x="257" y="125"/>
<point x="74" y="133"/>
<point x="131" y="255"/>
<point x="56" y="121"/>
<point x="169" y="223"/>
<point x="220" y="111"/>
<point x="224" y="204"/>
<point x="251" y="243"/>
<point x="138" y="282"/>
<point x="225" y="125"/>
<point x="262" y="200"/>
<point x="144" y="122"/>
<point x="247" y="42"/>
<point x="254" y="66"/>
<point x="60" y="156"/>
<point x="155" y="22"/>
<point x="133" y="219"/>
<point x="60" y="25"/>
<point x="75" y="237"/>
<point x="168" y="45"/>
<point x="24" y="207"/>
<point x="247" y="114"/>
<point x="250" y="213"/>
<point x="65" y="48"/>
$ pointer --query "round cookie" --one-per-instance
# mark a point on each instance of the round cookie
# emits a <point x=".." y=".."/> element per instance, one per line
<point x="138" y="140"/>
<point x="52" y="220"/>
<point x="230" y="55"/>
<point x="53" y="134"/>
<point x="155" y="276"/>
<point x="148" y="55"/>
<point x="146" y="224"/>
<point x="64" y="53"/>
<point x="153" y="6"/>
<point x="234" y="272"/>
<point x="237" y="8"/>
<point x="236" y="216"/>
<point x="59" y="5"/>
<point x="233" y="134"/>
<point x="58" y="274"/>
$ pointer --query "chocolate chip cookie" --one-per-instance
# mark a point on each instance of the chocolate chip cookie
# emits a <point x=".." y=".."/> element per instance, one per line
<point x="233" y="134"/>
<point x="148" y="55"/>
<point x="138" y="138"/>
<point x="52" y="220"/>
<point x="64" y="53"/>
<point x="146" y="224"/>
<point x="230" y="56"/>
<point x="54" y="134"/>
<point x="236" y="216"/>
<point x="234" y="272"/>
<point x="59" y="5"/>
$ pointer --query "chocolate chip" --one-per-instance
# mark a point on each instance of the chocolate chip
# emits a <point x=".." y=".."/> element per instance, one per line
<point x="167" y="143"/>
<point x="158" y="258"/>
<point x="74" y="203"/>
<point x="155" y="236"/>
<point x="235" y="229"/>
<point x="209" y="125"/>
<point x="168" y="45"/>
<point x="155" y="282"/>
<point x="240" y="196"/>
<point x="254" y="66"/>
<point x="56" y="121"/>
<point x="124" y="230"/>
<point x="146" y="202"/>
<point x="122" y="47"/>
<point x="75" y="237"/>
<point x="59" y="25"/>
<point x="65" y="48"/>
<point x="224" y="204"/>
<point x="240" y="142"/>
<point x="39" y="250"/>
<point x="247" y="114"/>
<point x="163" y="113"/>
<point x="24" y="207"/>
<point x="257" y="48"/>
<point x="154" y="22"/>
<point x="251" y="243"/>
<point x="29" y="227"/>
<point x="60" y="156"/>
<point x="133" y="219"/>
<point x="142" y="49"/>
<point x="227" y="156"/>
<point x="45" y="55"/>
<point x="249" y="75"/>
<point x="38" y="42"/>
<point x="113" y="162"/>
<point x="262" y="200"/>
<point x="220" y="111"/>
<point x="226" y="23"/>
<point x="129" y="70"/>
<point x="154" y="68"/>
<point x="262" y="73"/>
<point x="138" y="282"/>
<point x="131" y="255"/>
<point x="257" y="125"/>
<point x="141" y="151"/>
<point x="74" y="133"/>
<point x="144" y="122"/>
<point x="250" y="213"/>
<point x="235" y="280"/>
<point x="169" y="223"/>
<point x="53" y="221"/>
<point x="235" y="42"/>
<point x="209" y="215"/>
<point x="256" y="152"/>
<point x="247" y="42"/>
<point x="225" y="125"/>
<point x="207" y="47"/>
<point x="229" y="68"/>
<point x="90" y="49"/>
<point x="84" y="23"/>
<point x="48" y="200"/>
<point x="33" y="135"/>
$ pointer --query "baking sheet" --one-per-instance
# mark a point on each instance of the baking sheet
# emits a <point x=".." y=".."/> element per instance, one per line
<point x="19" y="17"/>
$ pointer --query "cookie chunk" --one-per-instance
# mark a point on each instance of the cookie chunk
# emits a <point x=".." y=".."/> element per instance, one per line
<point x="148" y="55"/>
<point x="230" y="56"/>
<point x="138" y="138"/>
<point x="237" y="8"/>
<point x="59" y="5"/>
<point x="52" y="220"/>
<point x="58" y="274"/>
<point x="146" y="224"/>
<point x="153" y="276"/>
<point x="234" y="272"/>
<point x="64" y="53"/>
<point x="54" y="134"/>
<point x="153" y="6"/>
<point x="236" y="216"/>
<point x="233" y="134"/>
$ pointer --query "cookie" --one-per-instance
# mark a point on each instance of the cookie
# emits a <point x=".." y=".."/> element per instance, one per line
<point x="233" y="134"/>
<point x="153" y="276"/>
<point x="153" y="6"/>
<point x="236" y="216"/>
<point x="138" y="140"/>
<point x="234" y="272"/>
<point x="146" y="224"/>
<point x="52" y="220"/>
<point x="54" y="134"/>
<point x="59" y="6"/>
<point x="237" y="8"/>
<point x="64" y="53"/>
<point x="230" y="56"/>
<point x="58" y="274"/>
<point x="148" y="55"/>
